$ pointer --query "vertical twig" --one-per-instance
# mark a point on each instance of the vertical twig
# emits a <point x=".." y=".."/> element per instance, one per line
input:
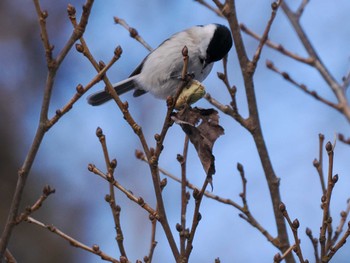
<point x="110" y="198"/>
<point x="326" y="199"/>
<point x="184" y="196"/>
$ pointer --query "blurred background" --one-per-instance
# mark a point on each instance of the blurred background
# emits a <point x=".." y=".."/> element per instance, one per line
<point x="290" y="119"/>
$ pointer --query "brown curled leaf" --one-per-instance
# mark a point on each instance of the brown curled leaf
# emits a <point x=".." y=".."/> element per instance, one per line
<point x="202" y="127"/>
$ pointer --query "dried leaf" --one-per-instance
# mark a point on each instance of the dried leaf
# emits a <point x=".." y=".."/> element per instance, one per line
<point x="202" y="127"/>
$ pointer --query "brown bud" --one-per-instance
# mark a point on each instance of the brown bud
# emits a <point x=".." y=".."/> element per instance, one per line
<point x="296" y="224"/>
<point x="285" y="75"/>
<point x="95" y="248"/>
<point x="282" y="207"/>
<point x="157" y="137"/>
<point x="274" y="6"/>
<point x="80" y="89"/>
<point x="221" y="75"/>
<point x="133" y="32"/>
<point x="113" y="163"/>
<point x="123" y="259"/>
<point x="139" y="154"/>
<point x="163" y="183"/>
<point x="118" y="52"/>
<point x="180" y="158"/>
<point x="140" y="201"/>
<point x="48" y="190"/>
<point x="335" y="179"/>
<point x="71" y="10"/>
<point x="99" y="132"/>
<point x="91" y="167"/>
<point x="308" y="231"/>
<point x="269" y="64"/>
<point x="329" y="147"/>
<point x="277" y="258"/>
<point x="179" y="227"/>
<point x="79" y="47"/>
<point x="240" y="167"/>
<point x="108" y="198"/>
<point x="59" y="112"/>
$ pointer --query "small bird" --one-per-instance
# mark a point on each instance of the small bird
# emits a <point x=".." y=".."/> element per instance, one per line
<point x="160" y="72"/>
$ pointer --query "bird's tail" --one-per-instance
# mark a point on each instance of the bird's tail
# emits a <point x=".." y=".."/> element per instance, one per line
<point x="121" y="87"/>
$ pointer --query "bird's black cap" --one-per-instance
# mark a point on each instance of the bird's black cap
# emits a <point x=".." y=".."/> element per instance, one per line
<point x="220" y="44"/>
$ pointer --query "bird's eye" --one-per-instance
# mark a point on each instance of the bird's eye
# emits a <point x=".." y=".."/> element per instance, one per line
<point x="201" y="60"/>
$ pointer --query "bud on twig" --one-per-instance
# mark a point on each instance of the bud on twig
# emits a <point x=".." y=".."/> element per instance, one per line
<point x="71" y="10"/>
<point x="282" y="207"/>
<point x="79" y="47"/>
<point x="99" y="132"/>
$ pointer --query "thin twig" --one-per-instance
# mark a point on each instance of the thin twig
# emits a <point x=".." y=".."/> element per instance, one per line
<point x="95" y="249"/>
<point x="343" y="217"/>
<point x="110" y="198"/>
<point x="184" y="197"/>
<point x="303" y="87"/>
<point x="133" y="32"/>
<point x="81" y="90"/>
<point x="335" y="248"/>
<point x="294" y="227"/>
<point x="29" y="210"/>
<point x="256" y="57"/>
<point x="198" y="196"/>
<point x="138" y="200"/>
<point x="314" y="242"/>
<point x="277" y="47"/>
<point x="326" y="199"/>
<point x="205" y="4"/>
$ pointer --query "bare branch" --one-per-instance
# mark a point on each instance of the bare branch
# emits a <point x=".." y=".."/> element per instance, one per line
<point x="110" y="198"/>
<point x="318" y="164"/>
<point x="138" y="200"/>
<point x="133" y="32"/>
<point x="326" y="199"/>
<point x="256" y="57"/>
<point x="205" y="4"/>
<point x="31" y="209"/>
<point x="303" y="87"/>
<point x="294" y="227"/>
<point x="277" y="47"/>
<point x="314" y="242"/>
<point x="343" y="217"/>
<point x="95" y="249"/>
<point x="337" y="89"/>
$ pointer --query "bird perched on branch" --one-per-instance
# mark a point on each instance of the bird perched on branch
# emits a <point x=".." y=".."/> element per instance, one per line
<point x="160" y="72"/>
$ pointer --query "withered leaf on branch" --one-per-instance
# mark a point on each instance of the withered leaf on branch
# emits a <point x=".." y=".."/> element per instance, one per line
<point x="202" y="127"/>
